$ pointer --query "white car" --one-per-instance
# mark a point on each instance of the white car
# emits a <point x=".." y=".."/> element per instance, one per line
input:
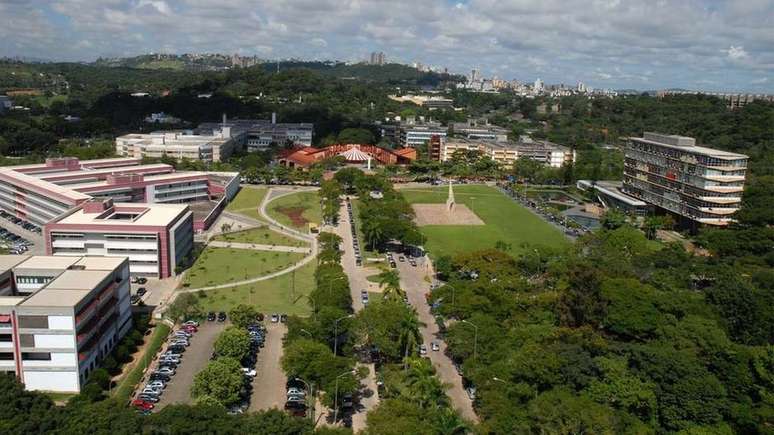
<point x="166" y="371"/>
<point x="170" y="354"/>
<point x="180" y="342"/>
<point x="423" y="349"/>
<point x="249" y="372"/>
<point x="182" y="333"/>
<point x="191" y="323"/>
<point x="156" y="384"/>
<point x="296" y="392"/>
<point x="151" y="391"/>
<point x="434" y="345"/>
<point x="169" y="359"/>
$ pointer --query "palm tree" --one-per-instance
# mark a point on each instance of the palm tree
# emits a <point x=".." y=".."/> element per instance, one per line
<point x="373" y="232"/>
<point x="448" y="422"/>
<point x="390" y="280"/>
<point x="423" y="386"/>
<point x="409" y="336"/>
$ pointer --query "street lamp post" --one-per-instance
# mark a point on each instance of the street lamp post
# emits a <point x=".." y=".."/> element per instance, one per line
<point x="336" y="396"/>
<point x="475" y="338"/>
<point x="336" y="333"/>
<point x="310" y="388"/>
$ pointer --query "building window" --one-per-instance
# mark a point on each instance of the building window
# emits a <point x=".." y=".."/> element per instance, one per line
<point x="6" y="356"/>
<point x="40" y="322"/>
<point x="36" y="356"/>
<point x="6" y="338"/>
<point x="27" y="340"/>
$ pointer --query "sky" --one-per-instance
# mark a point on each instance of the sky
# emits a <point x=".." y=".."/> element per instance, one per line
<point x="713" y="45"/>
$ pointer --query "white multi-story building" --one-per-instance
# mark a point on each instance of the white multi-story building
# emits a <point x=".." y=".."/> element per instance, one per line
<point x="60" y="316"/>
<point x="155" y="238"/>
<point x="181" y="144"/>
<point x="506" y="153"/>
<point x="259" y="134"/>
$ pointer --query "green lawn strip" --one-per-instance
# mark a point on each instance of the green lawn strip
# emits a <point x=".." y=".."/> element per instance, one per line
<point x="59" y="398"/>
<point x="276" y="295"/>
<point x="309" y="202"/>
<point x="127" y="385"/>
<point x="262" y="236"/>
<point x="504" y="219"/>
<point x="224" y="265"/>
<point x="247" y="201"/>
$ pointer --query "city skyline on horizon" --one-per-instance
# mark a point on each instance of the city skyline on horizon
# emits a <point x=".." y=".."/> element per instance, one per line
<point x="699" y="45"/>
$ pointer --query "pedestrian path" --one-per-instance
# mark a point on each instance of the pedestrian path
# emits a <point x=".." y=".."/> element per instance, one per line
<point x="259" y="247"/>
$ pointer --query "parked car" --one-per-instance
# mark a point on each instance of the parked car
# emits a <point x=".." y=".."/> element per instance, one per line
<point x="471" y="392"/>
<point x="249" y="372"/>
<point x="159" y="377"/>
<point x="182" y="333"/>
<point x="142" y="404"/>
<point x="283" y="318"/>
<point x="170" y="359"/>
<point x="274" y="318"/>
<point x="142" y="280"/>
<point x="434" y="345"/>
<point x="191" y="323"/>
<point x="211" y="316"/>
<point x="221" y="316"/>
<point x="157" y="384"/>
<point x="296" y="392"/>
<point x="170" y="371"/>
<point x="176" y="348"/>
<point x="141" y="291"/>
<point x="423" y="349"/>
<point x="179" y="342"/>
<point x="147" y="398"/>
<point x="189" y="328"/>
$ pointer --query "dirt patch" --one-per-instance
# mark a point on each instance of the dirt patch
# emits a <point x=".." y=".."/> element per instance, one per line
<point x="439" y="214"/>
<point x="295" y="214"/>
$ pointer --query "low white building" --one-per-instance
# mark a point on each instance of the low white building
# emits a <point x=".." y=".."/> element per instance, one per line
<point x="506" y="153"/>
<point x="181" y="144"/>
<point x="70" y="314"/>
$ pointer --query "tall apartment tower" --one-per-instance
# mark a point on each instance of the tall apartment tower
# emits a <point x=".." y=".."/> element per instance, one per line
<point x="698" y="184"/>
<point x="377" y="58"/>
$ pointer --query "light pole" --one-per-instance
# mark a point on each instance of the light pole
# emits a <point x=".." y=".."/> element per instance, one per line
<point x="475" y="338"/>
<point x="499" y="380"/>
<point x="336" y="334"/>
<point x="308" y="333"/>
<point x="336" y="396"/>
<point x="309" y="388"/>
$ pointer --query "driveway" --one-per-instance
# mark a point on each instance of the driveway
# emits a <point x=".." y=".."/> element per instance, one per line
<point x="194" y="360"/>
<point x="269" y="383"/>
<point x="357" y="281"/>
<point x="412" y="280"/>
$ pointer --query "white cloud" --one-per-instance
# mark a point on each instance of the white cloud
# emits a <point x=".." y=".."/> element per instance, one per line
<point x="665" y="43"/>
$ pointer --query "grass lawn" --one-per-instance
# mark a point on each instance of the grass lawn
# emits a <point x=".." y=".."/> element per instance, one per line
<point x="505" y="220"/>
<point x="276" y="295"/>
<point x="296" y="210"/>
<point x="223" y="265"/>
<point x="125" y="388"/>
<point x="262" y="235"/>
<point x="247" y="200"/>
<point x="59" y="398"/>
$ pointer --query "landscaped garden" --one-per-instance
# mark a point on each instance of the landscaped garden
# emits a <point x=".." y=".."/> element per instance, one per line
<point x="260" y="236"/>
<point x="505" y="221"/>
<point x="224" y="265"/>
<point x="296" y="210"/>
<point x="286" y="294"/>
<point x="247" y="201"/>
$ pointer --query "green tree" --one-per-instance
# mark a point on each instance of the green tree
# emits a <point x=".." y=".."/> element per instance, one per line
<point x="220" y="380"/>
<point x="356" y="136"/>
<point x="243" y="315"/>
<point x="389" y="280"/>
<point x="234" y="342"/>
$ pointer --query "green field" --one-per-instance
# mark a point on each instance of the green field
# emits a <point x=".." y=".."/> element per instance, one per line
<point x="276" y="295"/>
<point x="126" y="386"/>
<point x="296" y="210"/>
<point x="505" y="221"/>
<point x="246" y="201"/>
<point x="261" y="235"/>
<point x="224" y="265"/>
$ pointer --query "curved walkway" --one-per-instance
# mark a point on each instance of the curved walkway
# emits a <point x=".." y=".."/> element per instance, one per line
<point x="273" y="224"/>
<point x="259" y="247"/>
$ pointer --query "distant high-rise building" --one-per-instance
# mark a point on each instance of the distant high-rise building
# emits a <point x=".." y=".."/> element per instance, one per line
<point x="377" y="58"/>
<point x="581" y="87"/>
<point x="473" y="75"/>
<point x="538" y="86"/>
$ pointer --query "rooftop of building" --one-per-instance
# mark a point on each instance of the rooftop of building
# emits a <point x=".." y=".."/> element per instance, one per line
<point x="521" y="145"/>
<point x="46" y="297"/>
<point x="100" y="263"/>
<point x="687" y="144"/>
<point x="8" y="262"/>
<point x="47" y="262"/>
<point x="42" y="186"/>
<point x="128" y="214"/>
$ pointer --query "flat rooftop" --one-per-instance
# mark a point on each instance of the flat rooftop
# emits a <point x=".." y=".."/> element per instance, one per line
<point x="78" y="279"/>
<point x="129" y="214"/>
<point x="55" y="298"/>
<point x="695" y="149"/>
<point x="100" y="263"/>
<point x="47" y="262"/>
<point x="8" y="262"/>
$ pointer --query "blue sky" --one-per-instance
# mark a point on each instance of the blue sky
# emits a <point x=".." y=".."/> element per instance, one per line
<point x="644" y="44"/>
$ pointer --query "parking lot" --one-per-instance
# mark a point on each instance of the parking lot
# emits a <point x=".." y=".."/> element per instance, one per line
<point x="19" y="239"/>
<point x="269" y="383"/>
<point x="195" y="358"/>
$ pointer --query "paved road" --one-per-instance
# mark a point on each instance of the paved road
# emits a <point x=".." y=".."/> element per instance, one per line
<point x="357" y="282"/>
<point x="269" y="383"/>
<point x="413" y="281"/>
<point x="194" y="360"/>
<point x="259" y="247"/>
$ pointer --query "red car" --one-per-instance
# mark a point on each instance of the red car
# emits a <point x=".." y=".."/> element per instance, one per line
<point x="189" y="328"/>
<point x="142" y="404"/>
